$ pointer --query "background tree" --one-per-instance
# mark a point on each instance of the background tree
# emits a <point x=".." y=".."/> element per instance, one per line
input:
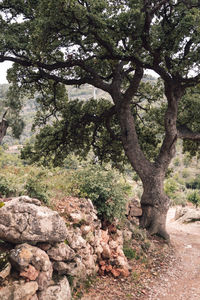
<point x="109" y="44"/>
<point x="10" y="106"/>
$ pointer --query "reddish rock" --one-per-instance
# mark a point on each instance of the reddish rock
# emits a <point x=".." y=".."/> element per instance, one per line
<point x="115" y="272"/>
<point x="103" y="268"/>
<point x="30" y="273"/>
<point x="108" y="268"/>
<point x="102" y="262"/>
<point x="124" y="272"/>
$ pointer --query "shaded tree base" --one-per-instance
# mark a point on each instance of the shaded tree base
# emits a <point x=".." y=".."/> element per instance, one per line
<point x="154" y="221"/>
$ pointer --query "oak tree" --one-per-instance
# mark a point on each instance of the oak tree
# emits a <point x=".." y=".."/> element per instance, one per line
<point x="109" y="44"/>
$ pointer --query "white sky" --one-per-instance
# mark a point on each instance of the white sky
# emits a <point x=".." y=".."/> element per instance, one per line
<point x="3" y="68"/>
<point x="6" y="65"/>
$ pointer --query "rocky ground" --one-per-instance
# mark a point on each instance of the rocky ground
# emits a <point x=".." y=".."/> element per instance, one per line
<point x="172" y="273"/>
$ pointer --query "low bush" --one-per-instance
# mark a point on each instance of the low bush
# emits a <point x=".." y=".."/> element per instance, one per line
<point x="106" y="188"/>
<point x="194" y="197"/>
<point x="6" y="188"/>
<point x="35" y="189"/>
<point x="193" y="183"/>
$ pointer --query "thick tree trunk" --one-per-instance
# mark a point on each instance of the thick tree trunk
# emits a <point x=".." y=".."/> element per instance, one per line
<point x="154" y="202"/>
<point x="155" y="205"/>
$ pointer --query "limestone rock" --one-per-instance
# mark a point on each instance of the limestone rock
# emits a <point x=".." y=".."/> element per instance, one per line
<point x="19" y="291"/>
<point x="60" y="291"/>
<point x="127" y="235"/>
<point x="76" y="268"/>
<point x="25" y="255"/>
<point x="22" y="219"/>
<point x="5" y="271"/>
<point x="106" y="250"/>
<point x="75" y="240"/>
<point x="134" y="209"/>
<point x="35" y="297"/>
<point x="189" y="215"/>
<point x="85" y="229"/>
<point x="61" y="252"/>
<point x="76" y="217"/>
<point x="180" y="211"/>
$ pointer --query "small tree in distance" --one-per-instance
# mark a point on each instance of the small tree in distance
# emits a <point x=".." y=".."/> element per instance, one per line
<point x="10" y="106"/>
<point x="109" y="44"/>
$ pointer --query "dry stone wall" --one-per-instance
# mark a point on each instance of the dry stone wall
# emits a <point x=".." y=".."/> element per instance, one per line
<point x="45" y="244"/>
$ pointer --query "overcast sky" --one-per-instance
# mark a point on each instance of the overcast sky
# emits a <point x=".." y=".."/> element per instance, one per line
<point x="3" y="68"/>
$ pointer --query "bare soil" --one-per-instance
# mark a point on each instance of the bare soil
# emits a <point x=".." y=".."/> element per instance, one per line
<point x="181" y="281"/>
<point x="174" y="272"/>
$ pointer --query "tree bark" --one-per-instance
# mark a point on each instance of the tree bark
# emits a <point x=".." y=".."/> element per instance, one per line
<point x="154" y="201"/>
<point x="155" y="204"/>
<point x="3" y="129"/>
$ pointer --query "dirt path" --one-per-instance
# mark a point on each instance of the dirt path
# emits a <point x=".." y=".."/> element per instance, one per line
<point x="178" y="280"/>
<point x="182" y="279"/>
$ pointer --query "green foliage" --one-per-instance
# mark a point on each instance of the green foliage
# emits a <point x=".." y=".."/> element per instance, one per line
<point x="189" y="114"/>
<point x="194" y="197"/>
<point x="193" y="183"/>
<point x="6" y="188"/>
<point x="11" y="106"/>
<point x="103" y="187"/>
<point x="185" y="173"/>
<point x="175" y="190"/>
<point x="130" y="253"/>
<point x="170" y="187"/>
<point x="36" y="189"/>
<point x="177" y="162"/>
<point x="187" y="160"/>
<point x="81" y="126"/>
<point x="77" y="42"/>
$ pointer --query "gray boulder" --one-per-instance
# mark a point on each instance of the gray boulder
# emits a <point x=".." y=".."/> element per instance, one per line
<point x="19" y="291"/>
<point x="24" y="220"/>
<point x="60" y="291"/>
<point x="24" y="256"/>
<point x="187" y="215"/>
<point x="61" y="252"/>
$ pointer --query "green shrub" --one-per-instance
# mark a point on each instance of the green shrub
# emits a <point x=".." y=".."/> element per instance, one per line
<point x="193" y="183"/>
<point x="176" y="162"/>
<point x="185" y="173"/>
<point x="106" y="188"/>
<point x="179" y="199"/>
<point x="194" y="197"/>
<point x="6" y="188"/>
<point x="170" y="187"/>
<point x="36" y="189"/>
<point x="187" y="160"/>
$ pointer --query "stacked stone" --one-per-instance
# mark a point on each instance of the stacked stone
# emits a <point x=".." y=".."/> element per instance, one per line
<point x="46" y="243"/>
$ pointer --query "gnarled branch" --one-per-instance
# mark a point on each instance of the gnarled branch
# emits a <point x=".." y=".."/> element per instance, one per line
<point x="185" y="133"/>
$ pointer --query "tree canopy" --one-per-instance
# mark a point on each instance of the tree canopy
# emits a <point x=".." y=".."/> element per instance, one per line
<point x="109" y="44"/>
